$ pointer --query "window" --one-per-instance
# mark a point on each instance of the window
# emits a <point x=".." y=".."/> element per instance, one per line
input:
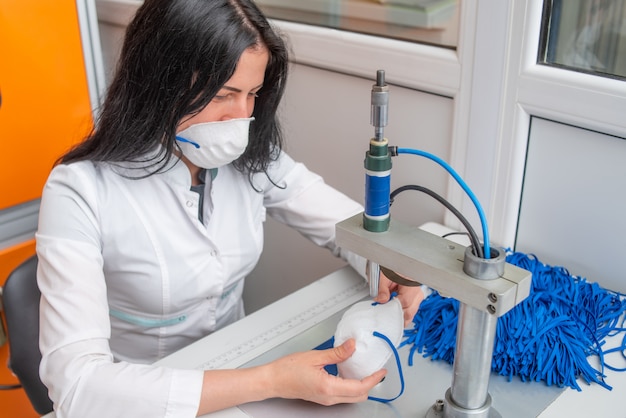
<point x="585" y="35"/>
<point x="431" y="22"/>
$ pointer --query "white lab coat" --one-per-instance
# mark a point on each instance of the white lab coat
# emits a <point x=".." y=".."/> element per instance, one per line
<point x="128" y="274"/>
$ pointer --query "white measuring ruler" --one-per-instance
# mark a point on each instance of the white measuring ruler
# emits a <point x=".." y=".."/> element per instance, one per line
<point x="274" y="324"/>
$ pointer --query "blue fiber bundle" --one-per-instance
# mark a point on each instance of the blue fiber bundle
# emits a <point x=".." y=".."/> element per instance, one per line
<point x="548" y="337"/>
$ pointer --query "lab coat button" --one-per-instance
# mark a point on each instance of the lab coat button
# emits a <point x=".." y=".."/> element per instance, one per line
<point x="189" y="204"/>
<point x="213" y="253"/>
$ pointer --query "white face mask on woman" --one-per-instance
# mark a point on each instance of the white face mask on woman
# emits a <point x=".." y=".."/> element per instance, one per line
<point x="215" y="144"/>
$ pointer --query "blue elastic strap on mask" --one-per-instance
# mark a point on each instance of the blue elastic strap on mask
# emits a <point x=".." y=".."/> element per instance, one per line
<point x="398" y="363"/>
<point x="391" y="296"/>
<point x="332" y="368"/>
<point x="181" y="139"/>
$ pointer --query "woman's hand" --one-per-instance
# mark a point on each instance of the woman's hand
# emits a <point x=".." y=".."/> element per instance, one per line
<point x="410" y="296"/>
<point x="296" y="376"/>
<point x="302" y="376"/>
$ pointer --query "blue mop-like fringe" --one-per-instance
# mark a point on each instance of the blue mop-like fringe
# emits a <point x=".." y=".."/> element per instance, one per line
<point x="548" y="337"/>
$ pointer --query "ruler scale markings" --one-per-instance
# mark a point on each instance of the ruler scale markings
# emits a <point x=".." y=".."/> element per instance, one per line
<point x="285" y="326"/>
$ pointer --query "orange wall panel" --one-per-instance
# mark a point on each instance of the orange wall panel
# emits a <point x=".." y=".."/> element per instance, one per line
<point x="45" y="104"/>
<point x="45" y="108"/>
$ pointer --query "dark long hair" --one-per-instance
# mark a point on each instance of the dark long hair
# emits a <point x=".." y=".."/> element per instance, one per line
<point x="177" y="54"/>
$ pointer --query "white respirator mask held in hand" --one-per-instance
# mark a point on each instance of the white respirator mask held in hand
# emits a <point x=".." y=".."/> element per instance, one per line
<point x="215" y="144"/>
<point x="377" y="329"/>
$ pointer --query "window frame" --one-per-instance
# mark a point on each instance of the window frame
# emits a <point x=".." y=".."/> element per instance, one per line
<point x="535" y="89"/>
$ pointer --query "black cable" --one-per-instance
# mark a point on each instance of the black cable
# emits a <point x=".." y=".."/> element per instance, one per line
<point x="478" y="250"/>
<point x="449" y="234"/>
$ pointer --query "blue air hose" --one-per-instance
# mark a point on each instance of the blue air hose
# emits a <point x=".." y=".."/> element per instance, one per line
<point x="465" y="187"/>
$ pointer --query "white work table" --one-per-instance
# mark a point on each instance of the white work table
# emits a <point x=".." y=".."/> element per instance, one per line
<point x="308" y="317"/>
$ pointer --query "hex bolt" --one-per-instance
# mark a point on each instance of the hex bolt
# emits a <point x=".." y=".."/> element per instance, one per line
<point x="438" y="406"/>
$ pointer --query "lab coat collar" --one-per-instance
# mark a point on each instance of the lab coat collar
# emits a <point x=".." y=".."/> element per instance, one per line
<point x="174" y="170"/>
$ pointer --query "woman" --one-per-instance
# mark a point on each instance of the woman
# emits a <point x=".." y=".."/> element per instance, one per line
<point x="149" y="227"/>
